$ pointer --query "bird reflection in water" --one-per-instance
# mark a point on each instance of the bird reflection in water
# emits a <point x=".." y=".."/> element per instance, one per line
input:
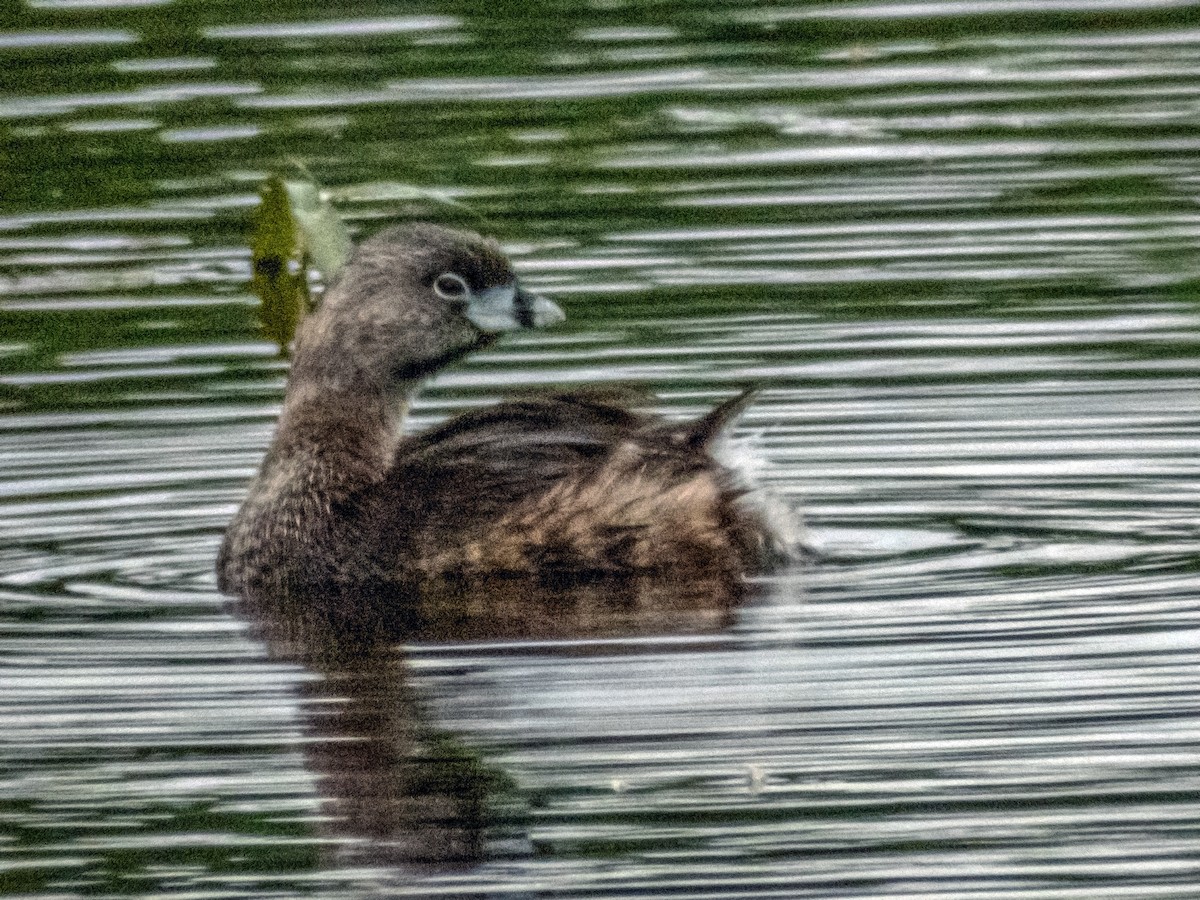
<point x="395" y="789"/>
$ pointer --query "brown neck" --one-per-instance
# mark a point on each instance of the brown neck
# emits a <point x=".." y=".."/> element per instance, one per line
<point x="334" y="442"/>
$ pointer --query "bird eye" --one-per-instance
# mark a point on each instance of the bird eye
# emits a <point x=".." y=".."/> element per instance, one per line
<point x="450" y="286"/>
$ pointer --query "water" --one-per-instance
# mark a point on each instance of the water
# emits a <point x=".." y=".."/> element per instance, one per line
<point x="954" y="242"/>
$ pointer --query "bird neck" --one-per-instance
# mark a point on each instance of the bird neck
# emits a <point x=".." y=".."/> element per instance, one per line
<point x="337" y="438"/>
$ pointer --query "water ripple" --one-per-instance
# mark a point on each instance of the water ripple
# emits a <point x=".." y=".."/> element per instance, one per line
<point x="958" y="262"/>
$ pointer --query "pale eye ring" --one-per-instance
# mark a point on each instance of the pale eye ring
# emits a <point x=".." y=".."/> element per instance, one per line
<point x="450" y="286"/>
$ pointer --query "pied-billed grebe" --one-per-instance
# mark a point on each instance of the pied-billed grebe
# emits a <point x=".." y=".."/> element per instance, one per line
<point x="562" y="487"/>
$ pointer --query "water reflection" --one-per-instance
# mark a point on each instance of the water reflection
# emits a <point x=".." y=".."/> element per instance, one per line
<point x="959" y="241"/>
<point x="395" y="788"/>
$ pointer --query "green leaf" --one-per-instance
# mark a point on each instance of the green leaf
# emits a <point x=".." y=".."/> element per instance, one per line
<point x="322" y="234"/>
<point x="295" y="230"/>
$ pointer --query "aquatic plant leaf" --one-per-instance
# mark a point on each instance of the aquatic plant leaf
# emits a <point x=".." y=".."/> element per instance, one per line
<point x="323" y="236"/>
<point x="279" y="280"/>
<point x="294" y="230"/>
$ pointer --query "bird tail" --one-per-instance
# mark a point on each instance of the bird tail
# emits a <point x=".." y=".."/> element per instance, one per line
<point x="704" y="432"/>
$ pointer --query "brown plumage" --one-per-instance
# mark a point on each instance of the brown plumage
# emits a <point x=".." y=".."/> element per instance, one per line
<point x="559" y="490"/>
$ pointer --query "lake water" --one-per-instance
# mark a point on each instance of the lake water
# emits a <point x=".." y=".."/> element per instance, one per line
<point x="958" y="245"/>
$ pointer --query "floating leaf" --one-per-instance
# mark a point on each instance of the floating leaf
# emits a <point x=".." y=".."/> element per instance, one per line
<point x="323" y="236"/>
<point x="294" y="230"/>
